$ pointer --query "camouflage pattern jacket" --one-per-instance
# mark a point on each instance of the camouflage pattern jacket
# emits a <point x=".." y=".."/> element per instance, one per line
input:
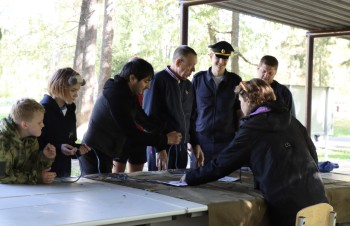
<point x="21" y="162"/>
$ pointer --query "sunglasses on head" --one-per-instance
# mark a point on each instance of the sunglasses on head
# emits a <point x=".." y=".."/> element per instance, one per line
<point x="76" y="79"/>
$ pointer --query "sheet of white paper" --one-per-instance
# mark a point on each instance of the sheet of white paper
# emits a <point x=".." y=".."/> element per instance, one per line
<point x="229" y="179"/>
<point x="182" y="184"/>
<point x="174" y="183"/>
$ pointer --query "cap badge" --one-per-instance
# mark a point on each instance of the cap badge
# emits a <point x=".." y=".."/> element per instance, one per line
<point x="222" y="51"/>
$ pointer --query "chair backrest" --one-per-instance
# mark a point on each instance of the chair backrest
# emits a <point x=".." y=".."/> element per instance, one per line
<point x="321" y="214"/>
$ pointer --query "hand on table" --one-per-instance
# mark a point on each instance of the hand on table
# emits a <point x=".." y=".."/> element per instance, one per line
<point x="183" y="179"/>
<point x="47" y="176"/>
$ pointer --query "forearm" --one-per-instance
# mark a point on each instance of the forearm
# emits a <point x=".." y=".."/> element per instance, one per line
<point x="17" y="177"/>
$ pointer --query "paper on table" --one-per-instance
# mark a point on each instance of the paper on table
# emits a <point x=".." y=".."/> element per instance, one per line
<point x="182" y="184"/>
<point x="229" y="179"/>
<point x="174" y="183"/>
<point x="177" y="183"/>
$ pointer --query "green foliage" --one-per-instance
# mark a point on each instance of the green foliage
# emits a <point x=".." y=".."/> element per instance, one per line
<point x="321" y="65"/>
<point x="35" y="42"/>
<point x="151" y="34"/>
<point x="346" y="62"/>
<point x="294" y="63"/>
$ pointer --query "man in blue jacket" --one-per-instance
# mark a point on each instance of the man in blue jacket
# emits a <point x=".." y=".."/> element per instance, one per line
<point x="217" y="111"/>
<point x="170" y="100"/>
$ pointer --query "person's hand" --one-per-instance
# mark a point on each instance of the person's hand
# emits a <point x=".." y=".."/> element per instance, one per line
<point x="114" y="167"/>
<point x="162" y="159"/>
<point x="183" y="179"/>
<point x="198" y="153"/>
<point x="174" y="137"/>
<point x="83" y="149"/>
<point x="47" y="176"/>
<point x="68" y="150"/>
<point x="49" y="151"/>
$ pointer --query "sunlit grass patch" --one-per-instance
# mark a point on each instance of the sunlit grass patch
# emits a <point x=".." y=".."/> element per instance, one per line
<point x="333" y="154"/>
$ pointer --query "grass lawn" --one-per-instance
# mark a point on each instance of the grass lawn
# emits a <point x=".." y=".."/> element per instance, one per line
<point x="341" y="125"/>
<point x="333" y="155"/>
<point x="75" y="172"/>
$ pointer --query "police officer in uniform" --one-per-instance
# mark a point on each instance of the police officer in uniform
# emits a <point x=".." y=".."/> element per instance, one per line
<point x="216" y="110"/>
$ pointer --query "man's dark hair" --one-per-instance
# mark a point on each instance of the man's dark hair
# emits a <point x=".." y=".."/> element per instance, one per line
<point x="138" y="67"/>
<point x="269" y="60"/>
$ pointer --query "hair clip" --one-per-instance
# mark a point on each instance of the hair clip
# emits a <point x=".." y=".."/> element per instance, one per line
<point x="243" y="87"/>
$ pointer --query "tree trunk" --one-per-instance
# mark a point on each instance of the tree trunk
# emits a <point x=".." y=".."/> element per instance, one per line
<point x="107" y="41"/>
<point x="234" y="42"/>
<point x="86" y="98"/>
<point x="212" y="33"/>
<point x="79" y="49"/>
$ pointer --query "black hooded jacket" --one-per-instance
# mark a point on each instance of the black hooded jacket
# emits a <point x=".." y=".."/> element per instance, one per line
<point x="283" y="160"/>
<point x="114" y="118"/>
<point x="59" y="129"/>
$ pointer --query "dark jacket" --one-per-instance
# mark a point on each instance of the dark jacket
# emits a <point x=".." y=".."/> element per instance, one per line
<point x="283" y="160"/>
<point x="170" y="101"/>
<point x="59" y="129"/>
<point x="283" y="95"/>
<point x="215" y="110"/>
<point x="114" y="119"/>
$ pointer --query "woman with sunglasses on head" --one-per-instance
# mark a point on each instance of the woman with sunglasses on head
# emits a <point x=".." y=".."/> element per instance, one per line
<point x="279" y="151"/>
<point x="60" y="119"/>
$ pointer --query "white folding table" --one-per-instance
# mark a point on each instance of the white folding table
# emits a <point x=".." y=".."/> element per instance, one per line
<point x="89" y="202"/>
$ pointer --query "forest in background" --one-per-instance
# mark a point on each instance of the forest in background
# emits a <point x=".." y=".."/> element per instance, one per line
<point x="35" y="41"/>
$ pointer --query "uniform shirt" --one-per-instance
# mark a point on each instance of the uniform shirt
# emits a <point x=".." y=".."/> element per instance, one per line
<point x="215" y="110"/>
<point x="21" y="160"/>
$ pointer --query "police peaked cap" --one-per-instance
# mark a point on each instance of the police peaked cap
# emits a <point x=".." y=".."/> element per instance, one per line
<point x="222" y="49"/>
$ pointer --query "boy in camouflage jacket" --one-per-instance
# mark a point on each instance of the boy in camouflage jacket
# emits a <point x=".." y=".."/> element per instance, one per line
<point x="21" y="161"/>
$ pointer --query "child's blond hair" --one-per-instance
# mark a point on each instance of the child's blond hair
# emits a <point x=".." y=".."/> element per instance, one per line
<point x="61" y="80"/>
<point x="24" y="109"/>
